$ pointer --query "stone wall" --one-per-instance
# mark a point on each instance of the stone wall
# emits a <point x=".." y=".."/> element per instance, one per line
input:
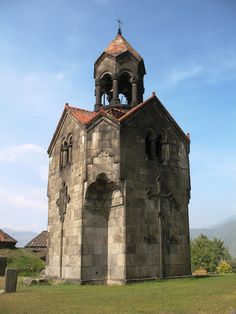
<point x="66" y="263"/>
<point x="108" y="228"/>
<point x="142" y="220"/>
<point x="103" y="216"/>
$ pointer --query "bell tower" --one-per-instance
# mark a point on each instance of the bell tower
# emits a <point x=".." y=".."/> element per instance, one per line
<point x="118" y="75"/>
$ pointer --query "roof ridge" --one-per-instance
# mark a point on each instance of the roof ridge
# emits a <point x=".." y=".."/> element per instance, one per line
<point x="67" y="106"/>
<point x="115" y="47"/>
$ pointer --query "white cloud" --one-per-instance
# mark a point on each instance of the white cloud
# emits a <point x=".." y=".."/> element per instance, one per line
<point x="21" y="152"/>
<point x="218" y="67"/>
<point x="43" y="173"/>
<point x="33" y="91"/>
<point x="31" y="199"/>
<point x="177" y="75"/>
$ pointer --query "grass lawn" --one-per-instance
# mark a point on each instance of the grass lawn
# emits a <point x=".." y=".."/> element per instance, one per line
<point x="205" y="295"/>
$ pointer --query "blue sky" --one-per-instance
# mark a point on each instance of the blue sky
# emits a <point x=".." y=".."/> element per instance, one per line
<point x="47" y="52"/>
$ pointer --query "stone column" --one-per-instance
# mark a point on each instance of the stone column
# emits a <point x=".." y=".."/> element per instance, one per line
<point x="115" y="98"/>
<point x="11" y="280"/>
<point x="134" y="92"/>
<point x="98" y="95"/>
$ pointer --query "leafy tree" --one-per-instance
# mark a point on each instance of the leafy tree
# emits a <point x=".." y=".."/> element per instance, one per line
<point x="207" y="254"/>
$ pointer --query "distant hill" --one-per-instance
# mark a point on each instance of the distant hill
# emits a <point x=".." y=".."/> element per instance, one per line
<point x="225" y="231"/>
<point x="22" y="237"/>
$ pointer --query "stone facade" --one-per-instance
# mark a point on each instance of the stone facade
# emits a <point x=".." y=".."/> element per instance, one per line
<point x="119" y="182"/>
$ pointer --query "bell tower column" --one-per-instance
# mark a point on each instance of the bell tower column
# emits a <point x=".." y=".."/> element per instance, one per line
<point x="98" y="95"/>
<point x="134" y="92"/>
<point x="115" y="98"/>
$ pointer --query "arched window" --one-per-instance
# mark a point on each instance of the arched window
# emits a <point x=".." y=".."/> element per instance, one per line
<point x="156" y="146"/>
<point x="149" y="147"/>
<point x="66" y="151"/>
<point x="106" y="89"/>
<point x="125" y="88"/>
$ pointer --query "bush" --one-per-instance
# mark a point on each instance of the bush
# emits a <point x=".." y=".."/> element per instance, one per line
<point x="201" y="272"/>
<point x="224" y="268"/>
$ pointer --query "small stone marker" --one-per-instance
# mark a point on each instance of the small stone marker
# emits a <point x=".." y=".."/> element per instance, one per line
<point x="11" y="280"/>
<point x="3" y="265"/>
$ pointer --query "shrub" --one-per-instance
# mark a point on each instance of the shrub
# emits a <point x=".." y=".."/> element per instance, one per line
<point x="201" y="272"/>
<point x="224" y="267"/>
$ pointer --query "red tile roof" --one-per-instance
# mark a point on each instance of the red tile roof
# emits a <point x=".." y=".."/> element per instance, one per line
<point x="119" y="114"/>
<point x="4" y="237"/>
<point x="81" y="115"/>
<point x="120" y="45"/>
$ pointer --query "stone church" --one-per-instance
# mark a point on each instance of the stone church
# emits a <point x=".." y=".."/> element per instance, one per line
<point x="119" y="182"/>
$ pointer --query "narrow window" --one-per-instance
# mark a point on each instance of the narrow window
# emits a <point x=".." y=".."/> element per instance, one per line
<point x="69" y="156"/>
<point x="159" y="153"/>
<point x="66" y="152"/>
<point x="149" y="147"/>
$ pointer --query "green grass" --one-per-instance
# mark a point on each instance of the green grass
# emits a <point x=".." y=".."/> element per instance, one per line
<point x="27" y="263"/>
<point x="205" y="295"/>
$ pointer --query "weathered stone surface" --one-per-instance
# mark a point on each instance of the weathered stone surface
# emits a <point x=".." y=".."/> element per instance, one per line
<point x="11" y="275"/>
<point x="3" y="265"/>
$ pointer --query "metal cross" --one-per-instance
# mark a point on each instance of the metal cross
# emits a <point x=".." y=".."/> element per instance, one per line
<point x="119" y="26"/>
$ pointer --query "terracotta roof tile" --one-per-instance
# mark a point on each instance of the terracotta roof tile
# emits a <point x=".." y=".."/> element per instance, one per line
<point x="120" y="45"/>
<point x="85" y="117"/>
<point x="4" y="237"/>
<point x="81" y="115"/>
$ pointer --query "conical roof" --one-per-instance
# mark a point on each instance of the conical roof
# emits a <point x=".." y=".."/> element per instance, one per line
<point x="120" y="45"/>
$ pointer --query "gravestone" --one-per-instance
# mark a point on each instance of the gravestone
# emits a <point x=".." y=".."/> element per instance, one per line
<point x="3" y="265"/>
<point x="11" y="280"/>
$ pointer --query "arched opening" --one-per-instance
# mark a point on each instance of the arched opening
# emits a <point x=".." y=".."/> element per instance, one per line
<point x="106" y="89"/>
<point x="66" y="151"/>
<point x="102" y="231"/>
<point x="149" y="147"/>
<point x="125" y="88"/>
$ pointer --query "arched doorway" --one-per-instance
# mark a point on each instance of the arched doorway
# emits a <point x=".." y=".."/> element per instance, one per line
<point x="103" y="231"/>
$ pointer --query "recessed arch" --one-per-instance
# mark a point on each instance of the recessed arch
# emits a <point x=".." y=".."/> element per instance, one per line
<point x="102" y="233"/>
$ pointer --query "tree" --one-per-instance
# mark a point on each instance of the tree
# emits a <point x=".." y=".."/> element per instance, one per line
<point x="207" y="254"/>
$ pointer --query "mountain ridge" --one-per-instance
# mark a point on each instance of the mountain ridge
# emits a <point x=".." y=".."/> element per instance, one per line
<point x="225" y="230"/>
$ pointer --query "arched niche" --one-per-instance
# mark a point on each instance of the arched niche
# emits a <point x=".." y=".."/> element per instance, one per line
<point x="103" y="231"/>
